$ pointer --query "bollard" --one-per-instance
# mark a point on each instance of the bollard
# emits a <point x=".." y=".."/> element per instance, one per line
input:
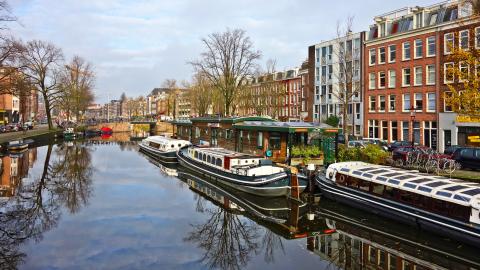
<point x="311" y="178"/>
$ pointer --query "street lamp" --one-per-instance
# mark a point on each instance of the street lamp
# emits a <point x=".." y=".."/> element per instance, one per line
<point x="412" y="118"/>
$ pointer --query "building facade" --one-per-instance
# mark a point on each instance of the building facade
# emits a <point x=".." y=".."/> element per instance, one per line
<point x="405" y="54"/>
<point x="337" y="79"/>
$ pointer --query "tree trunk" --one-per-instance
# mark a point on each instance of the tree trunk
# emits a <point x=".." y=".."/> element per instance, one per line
<point x="48" y="110"/>
<point x="345" y="122"/>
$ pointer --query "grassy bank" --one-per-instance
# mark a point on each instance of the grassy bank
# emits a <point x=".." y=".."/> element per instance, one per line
<point x="31" y="134"/>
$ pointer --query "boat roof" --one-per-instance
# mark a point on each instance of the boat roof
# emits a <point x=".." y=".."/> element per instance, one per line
<point x="222" y="152"/>
<point x="439" y="187"/>
<point x="165" y="140"/>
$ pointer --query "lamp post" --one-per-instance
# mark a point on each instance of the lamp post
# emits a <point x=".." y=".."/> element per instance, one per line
<point x="412" y="118"/>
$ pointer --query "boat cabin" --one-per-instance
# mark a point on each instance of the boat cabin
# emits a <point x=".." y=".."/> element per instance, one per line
<point x="165" y="144"/>
<point x="234" y="162"/>
<point x="454" y="198"/>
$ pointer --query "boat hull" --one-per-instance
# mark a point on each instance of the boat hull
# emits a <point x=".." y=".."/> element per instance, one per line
<point x="165" y="157"/>
<point x="275" y="185"/>
<point x="400" y="212"/>
<point x="18" y="147"/>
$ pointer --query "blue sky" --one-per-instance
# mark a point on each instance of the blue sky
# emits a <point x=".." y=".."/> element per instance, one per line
<point x="136" y="45"/>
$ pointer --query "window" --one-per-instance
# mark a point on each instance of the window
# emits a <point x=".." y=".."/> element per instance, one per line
<point x="372" y="104"/>
<point x="406" y="77"/>
<point x="464" y="39"/>
<point x="418" y="48"/>
<point x="381" y="55"/>
<point x="463" y="71"/>
<point x="431" y="46"/>
<point x="406" y="51"/>
<point x="373" y="57"/>
<point x="418" y="101"/>
<point x="448" y="43"/>
<point x="391" y="103"/>
<point x="381" y="79"/>
<point x="417" y="80"/>
<point x="373" y="129"/>
<point x="448" y="75"/>
<point x="433" y="19"/>
<point x="406" y="102"/>
<point x="372" y="82"/>
<point x="381" y="103"/>
<point x="430" y="134"/>
<point x="392" y="53"/>
<point x="446" y="106"/>
<point x="477" y="37"/>
<point x="394" y="130"/>
<point x="418" y="20"/>
<point x="260" y="140"/>
<point x="430" y="74"/>
<point x="431" y="102"/>
<point x="405" y="131"/>
<point x="384" y="126"/>
<point x="274" y="141"/>
<point x="392" y="78"/>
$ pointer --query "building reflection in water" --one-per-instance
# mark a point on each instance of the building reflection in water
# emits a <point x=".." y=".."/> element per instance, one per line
<point x="31" y="204"/>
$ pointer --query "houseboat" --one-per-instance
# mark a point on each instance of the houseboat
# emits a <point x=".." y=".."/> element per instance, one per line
<point x="251" y="174"/>
<point x="163" y="148"/>
<point x="17" y="145"/>
<point x="434" y="203"/>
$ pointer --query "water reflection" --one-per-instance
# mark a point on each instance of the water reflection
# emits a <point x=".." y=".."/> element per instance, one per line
<point x="31" y="206"/>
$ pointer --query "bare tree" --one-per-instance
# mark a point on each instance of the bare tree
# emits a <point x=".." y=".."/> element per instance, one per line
<point x="228" y="60"/>
<point x="41" y="63"/>
<point x="77" y="82"/>
<point x="201" y="95"/>
<point x="348" y="86"/>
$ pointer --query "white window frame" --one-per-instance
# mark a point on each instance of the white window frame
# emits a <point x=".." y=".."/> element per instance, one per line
<point x="389" y="53"/>
<point x="370" y="57"/>
<point x="428" y="101"/>
<point x="370" y="79"/>
<point x="428" y="46"/>
<point x="389" y="101"/>
<point x="390" y="81"/>
<point x="415" y="102"/>
<point x="403" y="77"/>
<point x="415" y="82"/>
<point x="445" y="102"/>
<point x="460" y="79"/>
<point x="460" y="39"/>
<point x="403" y="102"/>
<point x="384" y="100"/>
<point x="415" y="49"/>
<point x="370" y="99"/>
<point x="427" y="74"/>
<point x="385" y="77"/>
<point x="445" y="73"/>
<point x="403" y="51"/>
<point x="445" y="43"/>
<point x="384" y="53"/>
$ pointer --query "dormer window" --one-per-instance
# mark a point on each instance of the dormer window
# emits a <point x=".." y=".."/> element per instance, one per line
<point x="419" y="20"/>
<point x="433" y="18"/>
<point x="382" y="29"/>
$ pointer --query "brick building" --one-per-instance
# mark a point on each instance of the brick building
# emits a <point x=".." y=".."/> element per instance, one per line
<point x="403" y="62"/>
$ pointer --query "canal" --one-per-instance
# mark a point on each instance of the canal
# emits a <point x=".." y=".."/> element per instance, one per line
<point x="101" y="204"/>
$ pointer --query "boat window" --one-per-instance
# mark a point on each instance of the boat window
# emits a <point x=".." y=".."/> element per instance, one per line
<point x="389" y="192"/>
<point x="393" y="181"/>
<point x="357" y="172"/>
<point x="363" y="185"/>
<point x="219" y="162"/>
<point x="406" y="176"/>
<point x="424" y="189"/>
<point x="461" y="198"/>
<point x="437" y="184"/>
<point x="381" y="178"/>
<point x="204" y="157"/>
<point x="179" y="145"/>
<point x="196" y="154"/>
<point x="473" y="192"/>
<point x="172" y="146"/>
<point x="455" y="188"/>
<point x="208" y="159"/>
<point x="367" y="175"/>
<point x="409" y="185"/>
<point x="379" y="171"/>
<point x="392" y="174"/>
<point x="419" y="181"/>
<point x="345" y="169"/>
<point x="366" y="169"/>
<point x="444" y="194"/>
<point x="377" y="189"/>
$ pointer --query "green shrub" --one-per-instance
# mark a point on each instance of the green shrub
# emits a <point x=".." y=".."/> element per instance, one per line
<point x="371" y="154"/>
<point x="306" y="152"/>
<point x="333" y="121"/>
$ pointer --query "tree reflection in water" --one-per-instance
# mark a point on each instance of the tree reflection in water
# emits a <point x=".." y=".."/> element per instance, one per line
<point x="65" y="181"/>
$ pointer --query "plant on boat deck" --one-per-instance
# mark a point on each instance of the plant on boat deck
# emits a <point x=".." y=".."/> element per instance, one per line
<point x="371" y="153"/>
<point x="306" y="152"/>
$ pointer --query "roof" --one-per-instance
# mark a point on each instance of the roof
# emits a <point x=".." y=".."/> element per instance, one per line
<point x="164" y="140"/>
<point x="233" y="120"/>
<point x="290" y="127"/>
<point x="438" y="187"/>
<point x="221" y="152"/>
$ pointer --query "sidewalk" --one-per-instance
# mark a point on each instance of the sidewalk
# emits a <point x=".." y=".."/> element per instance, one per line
<point x="10" y="136"/>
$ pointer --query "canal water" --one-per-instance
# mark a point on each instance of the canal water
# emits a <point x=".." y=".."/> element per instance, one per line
<point x="101" y="204"/>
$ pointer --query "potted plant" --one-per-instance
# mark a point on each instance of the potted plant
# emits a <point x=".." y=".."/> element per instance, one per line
<point x="303" y="155"/>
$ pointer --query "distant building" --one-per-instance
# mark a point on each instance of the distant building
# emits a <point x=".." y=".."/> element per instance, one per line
<point x="94" y="111"/>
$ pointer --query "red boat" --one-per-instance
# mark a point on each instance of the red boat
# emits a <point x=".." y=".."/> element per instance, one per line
<point x="106" y="131"/>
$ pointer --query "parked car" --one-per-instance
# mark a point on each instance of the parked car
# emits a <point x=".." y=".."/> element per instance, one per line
<point x="28" y="125"/>
<point x="467" y="157"/>
<point x="360" y="144"/>
<point x="394" y="145"/>
<point x="13" y="127"/>
<point x="341" y="138"/>
<point x="381" y="143"/>
<point x="449" y="150"/>
<point x="401" y="153"/>
<point x="3" y="129"/>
